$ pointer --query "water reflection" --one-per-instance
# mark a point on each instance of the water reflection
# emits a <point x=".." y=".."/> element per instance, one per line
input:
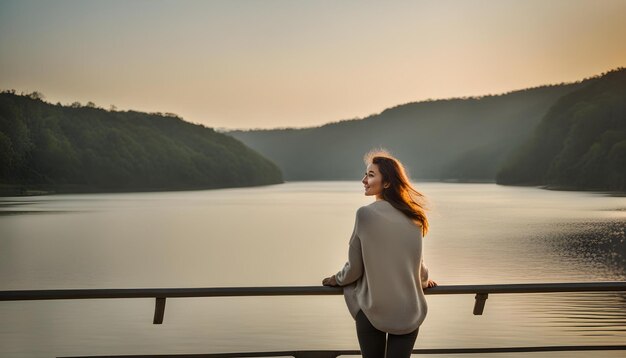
<point x="600" y="243"/>
<point x="588" y="244"/>
<point x="587" y="313"/>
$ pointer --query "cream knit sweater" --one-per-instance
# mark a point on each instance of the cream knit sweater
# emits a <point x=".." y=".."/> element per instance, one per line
<point x="385" y="273"/>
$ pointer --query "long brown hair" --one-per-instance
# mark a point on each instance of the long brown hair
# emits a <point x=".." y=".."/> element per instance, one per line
<point x="400" y="194"/>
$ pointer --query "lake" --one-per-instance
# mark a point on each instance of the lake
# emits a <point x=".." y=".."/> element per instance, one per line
<point x="295" y="234"/>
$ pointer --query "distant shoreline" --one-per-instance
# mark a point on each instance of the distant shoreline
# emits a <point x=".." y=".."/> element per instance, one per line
<point x="616" y="193"/>
<point x="24" y="191"/>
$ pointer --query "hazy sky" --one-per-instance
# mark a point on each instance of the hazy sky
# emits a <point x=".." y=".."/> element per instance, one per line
<point x="266" y="64"/>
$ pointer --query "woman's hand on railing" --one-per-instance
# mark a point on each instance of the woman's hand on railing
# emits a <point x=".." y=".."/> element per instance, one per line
<point x="430" y="283"/>
<point x="330" y="281"/>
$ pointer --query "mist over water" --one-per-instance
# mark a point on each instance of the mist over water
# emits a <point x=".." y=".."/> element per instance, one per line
<point x="295" y="234"/>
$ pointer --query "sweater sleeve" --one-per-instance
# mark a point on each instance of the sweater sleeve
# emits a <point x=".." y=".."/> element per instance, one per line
<point x="424" y="274"/>
<point x="353" y="269"/>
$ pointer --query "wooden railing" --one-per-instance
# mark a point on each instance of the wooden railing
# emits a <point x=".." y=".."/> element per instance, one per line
<point x="481" y="294"/>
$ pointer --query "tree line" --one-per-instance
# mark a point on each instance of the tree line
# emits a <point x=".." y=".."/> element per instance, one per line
<point x="79" y="148"/>
<point x="580" y="143"/>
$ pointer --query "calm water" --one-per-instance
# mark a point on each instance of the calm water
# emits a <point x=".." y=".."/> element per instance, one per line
<point x="295" y="234"/>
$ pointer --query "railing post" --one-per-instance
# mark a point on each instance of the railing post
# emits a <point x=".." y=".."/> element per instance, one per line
<point x="479" y="304"/>
<point x="159" y="310"/>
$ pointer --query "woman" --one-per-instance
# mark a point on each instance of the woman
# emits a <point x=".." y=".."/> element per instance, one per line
<point x="385" y="275"/>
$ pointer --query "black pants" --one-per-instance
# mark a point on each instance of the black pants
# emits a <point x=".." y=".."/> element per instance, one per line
<point x="373" y="341"/>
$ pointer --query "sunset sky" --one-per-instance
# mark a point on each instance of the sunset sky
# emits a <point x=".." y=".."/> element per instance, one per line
<point x="266" y="64"/>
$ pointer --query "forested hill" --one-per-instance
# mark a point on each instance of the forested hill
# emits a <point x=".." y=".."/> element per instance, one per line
<point x="580" y="143"/>
<point x="87" y="149"/>
<point x="464" y="139"/>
